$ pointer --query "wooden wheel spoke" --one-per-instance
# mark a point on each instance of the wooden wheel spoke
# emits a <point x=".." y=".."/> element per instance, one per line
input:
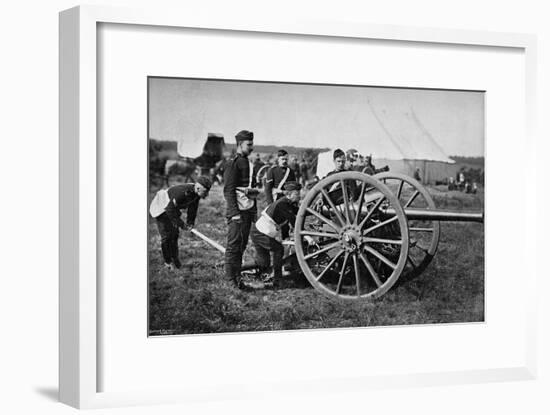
<point x="339" y="286"/>
<point x="331" y="204"/>
<point x="320" y="234"/>
<point x="411" y="199"/>
<point x="383" y="241"/>
<point x="346" y="200"/>
<point x="330" y="264"/>
<point x="380" y="257"/>
<point x="360" y="206"/>
<point x="371" y="270"/>
<point x="357" y="275"/>
<point x="369" y="214"/>
<point x="326" y="220"/>
<point x="320" y="251"/>
<point x="381" y="224"/>
<point x="400" y="189"/>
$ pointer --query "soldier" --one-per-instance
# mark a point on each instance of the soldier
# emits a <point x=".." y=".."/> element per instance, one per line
<point x="166" y="208"/>
<point x="351" y="159"/>
<point x="240" y="197"/>
<point x="335" y="192"/>
<point x="258" y="163"/>
<point x="295" y="168"/>
<point x="277" y="176"/>
<point x="339" y="158"/>
<point x="417" y="174"/>
<point x="267" y="234"/>
<point x="303" y="172"/>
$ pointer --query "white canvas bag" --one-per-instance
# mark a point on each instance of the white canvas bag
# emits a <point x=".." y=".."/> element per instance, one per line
<point x="159" y="203"/>
<point x="244" y="202"/>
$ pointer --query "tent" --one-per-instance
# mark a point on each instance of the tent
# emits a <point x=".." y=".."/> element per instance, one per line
<point x="384" y="122"/>
<point x="396" y="137"/>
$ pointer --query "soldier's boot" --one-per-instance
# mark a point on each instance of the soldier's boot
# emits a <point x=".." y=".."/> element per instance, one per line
<point x="233" y="273"/>
<point x="277" y="277"/>
<point x="250" y="265"/>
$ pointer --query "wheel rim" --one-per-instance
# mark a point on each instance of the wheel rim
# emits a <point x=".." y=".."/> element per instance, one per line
<point x="423" y="235"/>
<point x="359" y="251"/>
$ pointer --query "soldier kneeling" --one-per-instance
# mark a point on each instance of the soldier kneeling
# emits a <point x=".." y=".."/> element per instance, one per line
<point x="267" y="232"/>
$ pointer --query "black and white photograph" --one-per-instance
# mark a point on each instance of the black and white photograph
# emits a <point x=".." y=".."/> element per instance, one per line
<point x="293" y="206"/>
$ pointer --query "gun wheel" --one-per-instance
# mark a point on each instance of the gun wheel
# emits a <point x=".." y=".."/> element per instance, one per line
<point x="347" y="244"/>
<point x="423" y="234"/>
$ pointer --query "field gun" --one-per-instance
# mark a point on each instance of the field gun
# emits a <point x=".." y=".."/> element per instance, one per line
<point x="369" y="231"/>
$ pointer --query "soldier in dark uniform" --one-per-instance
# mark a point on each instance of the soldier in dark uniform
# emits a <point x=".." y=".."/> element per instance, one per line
<point x="277" y="176"/>
<point x="240" y="197"/>
<point x="303" y="172"/>
<point x="166" y="208"/>
<point x="295" y="167"/>
<point x="267" y="235"/>
<point x="417" y="174"/>
<point x="335" y="192"/>
<point x="258" y="163"/>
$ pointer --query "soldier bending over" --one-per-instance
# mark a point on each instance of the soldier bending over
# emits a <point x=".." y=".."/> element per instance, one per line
<point x="166" y="208"/>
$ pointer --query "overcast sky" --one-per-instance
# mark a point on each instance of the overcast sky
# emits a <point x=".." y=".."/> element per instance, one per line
<point x="316" y="115"/>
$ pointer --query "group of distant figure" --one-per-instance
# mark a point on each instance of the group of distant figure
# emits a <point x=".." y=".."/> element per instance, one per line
<point x="462" y="183"/>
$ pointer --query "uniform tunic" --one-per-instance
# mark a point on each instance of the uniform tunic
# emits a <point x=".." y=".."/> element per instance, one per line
<point x="237" y="174"/>
<point x="274" y="177"/>
<point x="336" y="194"/>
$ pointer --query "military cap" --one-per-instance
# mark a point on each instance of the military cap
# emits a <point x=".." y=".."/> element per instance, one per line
<point x="352" y="154"/>
<point x="338" y="153"/>
<point x="244" y="135"/>
<point x="289" y="186"/>
<point x="282" y="153"/>
<point x="205" y="182"/>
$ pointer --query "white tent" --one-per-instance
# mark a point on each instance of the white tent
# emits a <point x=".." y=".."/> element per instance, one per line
<point x="396" y="137"/>
<point x="384" y="122"/>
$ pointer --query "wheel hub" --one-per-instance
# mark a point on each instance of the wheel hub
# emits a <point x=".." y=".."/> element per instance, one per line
<point x="350" y="238"/>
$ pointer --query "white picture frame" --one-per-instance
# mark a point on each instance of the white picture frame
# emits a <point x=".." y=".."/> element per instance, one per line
<point x="78" y="375"/>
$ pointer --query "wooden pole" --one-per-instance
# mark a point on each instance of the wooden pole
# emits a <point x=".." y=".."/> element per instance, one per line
<point x="208" y="241"/>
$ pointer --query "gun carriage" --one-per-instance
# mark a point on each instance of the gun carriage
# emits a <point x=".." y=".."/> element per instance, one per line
<point x="355" y="235"/>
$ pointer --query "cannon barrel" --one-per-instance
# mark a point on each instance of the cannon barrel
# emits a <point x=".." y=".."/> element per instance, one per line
<point x="426" y="214"/>
<point x="440" y="215"/>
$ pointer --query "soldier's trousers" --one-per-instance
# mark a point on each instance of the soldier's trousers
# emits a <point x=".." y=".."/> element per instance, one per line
<point x="168" y="239"/>
<point x="267" y="249"/>
<point x="237" y="239"/>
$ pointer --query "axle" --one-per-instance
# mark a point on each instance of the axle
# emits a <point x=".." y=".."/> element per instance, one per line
<point x="440" y="215"/>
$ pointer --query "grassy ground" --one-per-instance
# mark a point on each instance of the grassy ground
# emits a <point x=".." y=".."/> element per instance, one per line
<point x="198" y="299"/>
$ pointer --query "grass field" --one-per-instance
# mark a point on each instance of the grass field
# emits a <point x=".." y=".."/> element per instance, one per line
<point x="198" y="299"/>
